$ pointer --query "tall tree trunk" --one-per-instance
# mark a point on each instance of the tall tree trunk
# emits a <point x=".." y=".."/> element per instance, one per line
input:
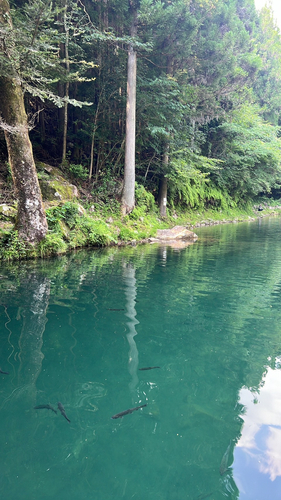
<point x="128" y="194"/>
<point x="163" y="185"/>
<point x="66" y="94"/>
<point x="163" y="188"/>
<point x="31" y="219"/>
<point x="93" y="139"/>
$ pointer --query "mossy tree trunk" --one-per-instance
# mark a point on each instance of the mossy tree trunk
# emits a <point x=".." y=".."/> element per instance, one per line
<point x="31" y="218"/>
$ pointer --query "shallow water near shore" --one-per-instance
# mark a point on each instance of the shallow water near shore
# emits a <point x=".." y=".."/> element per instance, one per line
<point x="78" y="330"/>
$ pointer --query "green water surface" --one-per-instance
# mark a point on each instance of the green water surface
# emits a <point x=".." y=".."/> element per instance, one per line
<point x="77" y="330"/>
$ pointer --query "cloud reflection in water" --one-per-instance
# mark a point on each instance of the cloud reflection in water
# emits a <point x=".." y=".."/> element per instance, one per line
<point x="259" y="448"/>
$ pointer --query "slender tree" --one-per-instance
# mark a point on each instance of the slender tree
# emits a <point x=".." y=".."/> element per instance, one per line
<point x="128" y="195"/>
<point x="67" y="65"/>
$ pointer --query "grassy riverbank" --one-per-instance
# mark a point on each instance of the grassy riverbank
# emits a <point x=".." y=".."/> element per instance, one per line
<point x="73" y="226"/>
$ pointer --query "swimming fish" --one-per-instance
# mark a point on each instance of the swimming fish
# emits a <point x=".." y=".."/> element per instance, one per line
<point x="116" y="309"/>
<point x="149" y="368"/>
<point x="203" y="496"/>
<point x="224" y="461"/>
<point x="126" y="412"/>
<point x="47" y="407"/>
<point x="62" y="410"/>
<point x="4" y="373"/>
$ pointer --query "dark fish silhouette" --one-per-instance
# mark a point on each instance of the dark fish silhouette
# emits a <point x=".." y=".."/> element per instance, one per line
<point x="62" y="410"/>
<point x="224" y="461"/>
<point x="47" y="407"/>
<point x="116" y="309"/>
<point x="203" y="496"/>
<point x="126" y="412"/>
<point x="4" y="373"/>
<point x="149" y="368"/>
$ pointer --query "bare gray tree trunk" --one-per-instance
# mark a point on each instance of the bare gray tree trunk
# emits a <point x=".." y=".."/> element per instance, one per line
<point x="128" y="194"/>
<point x="31" y="219"/>
<point x="66" y="94"/>
<point x="93" y="139"/>
<point x="163" y="188"/>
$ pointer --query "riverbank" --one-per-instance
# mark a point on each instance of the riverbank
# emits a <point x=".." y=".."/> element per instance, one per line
<point x="72" y="226"/>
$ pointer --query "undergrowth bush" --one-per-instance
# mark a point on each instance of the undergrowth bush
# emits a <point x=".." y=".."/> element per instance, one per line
<point x="12" y="247"/>
<point x="97" y="232"/>
<point x="127" y="233"/>
<point x="68" y="212"/>
<point x="78" y="171"/>
<point x="144" y="199"/>
<point x="52" y="244"/>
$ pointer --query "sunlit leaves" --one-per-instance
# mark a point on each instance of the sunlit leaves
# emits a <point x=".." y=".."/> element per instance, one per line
<point x="251" y="151"/>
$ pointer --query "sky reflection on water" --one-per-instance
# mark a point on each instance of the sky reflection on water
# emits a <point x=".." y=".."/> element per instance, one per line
<point x="257" y="457"/>
<point x="77" y="329"/>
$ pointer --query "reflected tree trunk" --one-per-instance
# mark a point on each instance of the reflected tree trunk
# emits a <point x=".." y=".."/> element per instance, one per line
<point x="131" y="293"/>
<point x="37" y="292"/>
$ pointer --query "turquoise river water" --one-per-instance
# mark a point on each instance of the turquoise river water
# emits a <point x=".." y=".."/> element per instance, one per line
<point x="79" y="328"/>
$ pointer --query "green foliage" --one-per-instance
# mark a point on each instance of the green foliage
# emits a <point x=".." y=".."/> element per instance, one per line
<point x="127" y="233"/>
<point x="211" y="77"/>
<point x="96" y="231"/>
<point x="267" y="86"/>
<point x="68" y="212"/>
<point x="52" y="244"/>
<point x="137" y="213"/>
<point x="12" y="247"/>
<point x="190" y="185"/>
<point x="78" y="172"/>
<point x="251" y="151"/>
<point x="144" y="198"/>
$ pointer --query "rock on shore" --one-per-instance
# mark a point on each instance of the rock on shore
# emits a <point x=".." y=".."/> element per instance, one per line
<point x="174" y="234"/>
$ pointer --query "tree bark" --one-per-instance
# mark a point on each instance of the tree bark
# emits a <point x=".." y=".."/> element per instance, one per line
<point x="163" y="188"/>
<point x="128" y="194"/>
<point x="31" y="220"/>
<point x="66" y="94"/>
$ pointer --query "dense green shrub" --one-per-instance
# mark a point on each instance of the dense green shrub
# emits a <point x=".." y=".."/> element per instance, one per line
<point x="52" y="244"/>
<point x="78" y="171"/>
<point x="12" y="247"/>
<point x="144" y="198"/>
<point x="68" y="212"/>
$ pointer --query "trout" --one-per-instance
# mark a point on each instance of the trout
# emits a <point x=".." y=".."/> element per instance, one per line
<point x="62" y="410"/>
<point x="126" y="412"/>
<point x="47" y="407"/>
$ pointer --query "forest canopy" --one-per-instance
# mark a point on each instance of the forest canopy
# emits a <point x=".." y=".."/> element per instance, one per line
<point x="208" y="94"/>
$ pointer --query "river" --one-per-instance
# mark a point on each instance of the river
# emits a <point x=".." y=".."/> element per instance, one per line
<point x="78" y="330"/>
